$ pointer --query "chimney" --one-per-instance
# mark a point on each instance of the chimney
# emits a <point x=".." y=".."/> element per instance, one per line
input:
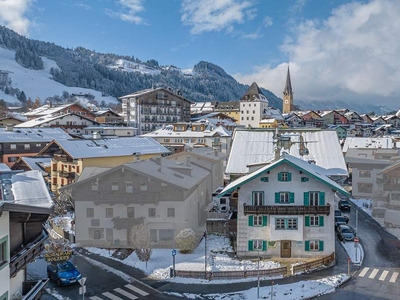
<point x="9" y="128"/>
<point x="216" y="152"/>
<point x="96" y="135"/>
<point x="188" y="161"/>
<point x="158" y="161"/>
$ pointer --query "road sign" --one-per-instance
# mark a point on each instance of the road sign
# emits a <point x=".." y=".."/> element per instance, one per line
<point x="173" y="252"/>
<point x="82" y="281"/>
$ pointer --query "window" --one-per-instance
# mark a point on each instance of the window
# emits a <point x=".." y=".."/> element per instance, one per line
<point x="129" y="187"/>
<point x="114" y="186"/>
<point x="170" y="212"/>
<point x="252" y="118"/>
<point x="164" y="186"/>
<point x="89" y="212"/>
<point x="304" y="179"/>
<point x="109" y="234"/>
<point x="13" y="147"/>
<point x="222" y="201"/>
<point x="130" y="212"/>
<point x="4" y="296"/>
<point x="286" y="224"/>
<point x="154" y="235"/>
<point x="284" y="197"/>
<point x="96" y="233"/>
<point x="95" y="185"/>
<point x="109" y="212"/>
<point x="95" y="222"/>
<point x="314" y="245"/>
<point x="3" y="252"/>
<point x="314" y="198"/>
<point x="257" y="244"/>
<point x="314" y="220"/>
<point x="12" y="158"/>
<point x="364" y="187"/>
<point x="27" y="146"/>
<point x="143" y="186"/>
<point x="257" y="220"/>
<point x="152" y="211"/>
<point x="284" y="176"/>
<point x="258" y="198"/>
<point x="364" y="173"/>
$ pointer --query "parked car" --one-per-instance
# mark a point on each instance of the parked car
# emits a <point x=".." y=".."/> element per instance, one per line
<point x="338" y="213"/>
<point x="344" y="205"/>
<point x="64" y="273"/>
<point x="379" y="212"/>
<point x="392" y="218"/>
<point x="345" y="233"/>
<point x="340" y="221"/>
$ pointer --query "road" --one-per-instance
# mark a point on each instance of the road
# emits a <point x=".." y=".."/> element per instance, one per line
<point x="101" y="283"/>
<point x="379" y="276"/>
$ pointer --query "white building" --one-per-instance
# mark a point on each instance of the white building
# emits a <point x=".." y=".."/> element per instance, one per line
<point x="253" y="106"/>
<point x="285" y="209"/>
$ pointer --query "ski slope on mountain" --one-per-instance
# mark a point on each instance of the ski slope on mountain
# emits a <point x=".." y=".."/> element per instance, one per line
<point x="39" y="83"/>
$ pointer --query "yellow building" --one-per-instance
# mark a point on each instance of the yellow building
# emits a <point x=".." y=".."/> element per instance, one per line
<point x="268" y="123"/>
<point x="230" y="109"/>
<point x="70" y="157"/>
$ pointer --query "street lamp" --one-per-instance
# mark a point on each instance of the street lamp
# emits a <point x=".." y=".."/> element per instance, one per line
<point x="205" y="254"/>
<point x="258" y="271"/>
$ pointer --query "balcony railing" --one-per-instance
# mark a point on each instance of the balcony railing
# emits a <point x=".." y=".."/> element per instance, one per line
<point x="66" y="174"/>
<point x="286" y="210"/>
<point x="33" y="290"/>
<point x="391" y="187"/>
<point x="21" y="259"/>
<point x="126" y="223"/>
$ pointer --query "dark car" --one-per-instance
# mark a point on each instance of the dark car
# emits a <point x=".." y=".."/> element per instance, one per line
<point x="344" y="205"/>
<point x="338" y="213"/>
<point x="64" y="273"/>
<point x="345" y="233"/>
<point x="340" y="221"/>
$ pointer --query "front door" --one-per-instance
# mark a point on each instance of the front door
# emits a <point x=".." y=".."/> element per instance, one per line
<point x="286" y="249"/>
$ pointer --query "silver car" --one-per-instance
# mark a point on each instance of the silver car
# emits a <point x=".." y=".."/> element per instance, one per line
<point x="345" y="233"/>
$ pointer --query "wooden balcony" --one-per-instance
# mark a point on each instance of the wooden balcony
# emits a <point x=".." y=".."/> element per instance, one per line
<point x="391" y="187"/>
<point x="21" y="259"/>
<point x="66" y="174"/>
<point x="126" y="223"/>
<point x="286" y="210"/>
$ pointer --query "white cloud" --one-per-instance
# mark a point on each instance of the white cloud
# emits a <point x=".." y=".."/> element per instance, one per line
<point x="215" y="15"/>
<point x="353" y="53"/>
<point x="83" y="6"/>
<point x="12" y="15"/>
<point x="131" y="10"/>
<point x="267" y="22"/>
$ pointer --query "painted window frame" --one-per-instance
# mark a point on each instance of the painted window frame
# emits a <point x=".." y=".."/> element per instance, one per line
<point x="314" y="221"/>
<point x="5" y="253"/>
<point x="257" y="196"/>
<point x="286" y="223"/>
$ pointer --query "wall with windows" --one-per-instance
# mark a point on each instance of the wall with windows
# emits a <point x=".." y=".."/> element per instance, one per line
<point x="4" y="253"/>
<point x="309" y="235"/>
<point x="364" y="179"/>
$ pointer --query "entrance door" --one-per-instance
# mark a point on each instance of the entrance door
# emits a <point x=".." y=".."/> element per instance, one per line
<point x="286" y="247"/>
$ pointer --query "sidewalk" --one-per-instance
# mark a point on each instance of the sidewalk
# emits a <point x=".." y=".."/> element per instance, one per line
<point x="199" y="288"/>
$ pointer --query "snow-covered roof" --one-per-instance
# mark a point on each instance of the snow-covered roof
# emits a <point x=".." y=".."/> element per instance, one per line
<point x="79" y="149"/>
<point x="35" y="163"/>
<point x="221" y="130"/>
<point x="364" y="142"/>
<point x="4" y="167"/>
<point x="48" y="118"/>
<point x="267" y="121"/>
<point x="21" y="135"/>
<point x="25" y="189"/>
<point x="273" y="113"/>
<point x="147" y="91"/>
<point x="257" y="146"/>
<point x="47" y="110"/>
<point x="310" y="169"/>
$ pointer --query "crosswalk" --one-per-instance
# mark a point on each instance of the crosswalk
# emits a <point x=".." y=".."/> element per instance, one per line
<point x="381" y="275"/>
<point x="128" y="292"/>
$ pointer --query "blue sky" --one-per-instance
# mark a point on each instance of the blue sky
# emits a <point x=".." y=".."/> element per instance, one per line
<point x="336" y="49"/>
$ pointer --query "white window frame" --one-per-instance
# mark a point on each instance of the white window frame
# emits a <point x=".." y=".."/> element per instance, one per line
<point x="129" y="187"/>
<point x="114" y="186"/>
<point x="257" y="220"/>
<point x="257" y="245"/>
<point x="284" y="197"/>
<point x="313" y="198"/>
<point x="314" y="220"/>
<point x="314" y="245"/>
<point x="258" y="198"/>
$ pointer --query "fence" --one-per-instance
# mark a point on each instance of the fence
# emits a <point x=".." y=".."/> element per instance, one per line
<point x="60" y="231"/>
<point x="215" y="275"/>
<point x="313" y="264"/>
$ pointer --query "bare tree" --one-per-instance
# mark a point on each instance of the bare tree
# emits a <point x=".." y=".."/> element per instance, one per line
<point x="186" y="240"/>
<point x="62" y="202"/>
<point x="141" y="241"/>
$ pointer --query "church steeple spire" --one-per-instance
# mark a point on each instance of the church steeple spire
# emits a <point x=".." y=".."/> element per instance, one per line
<point x="288" y="86"/>
<point x="288" y="94"/>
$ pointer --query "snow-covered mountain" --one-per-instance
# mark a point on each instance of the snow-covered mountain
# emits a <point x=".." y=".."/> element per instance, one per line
<point x="38" y="83"/>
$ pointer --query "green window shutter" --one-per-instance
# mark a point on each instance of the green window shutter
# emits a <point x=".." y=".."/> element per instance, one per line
<point x="250" y="245"/>
<point x="264" y="246"/>
<point x="306" y="199"/>
<point x="321" y="221"/>
<point x="289" y="177"/>
<point x="277" y="197"/>
<point x="264" y="179"/>
<point x="321" y="246"/>
<point x="251" y="223"/>
<point x="307" y="221"/>
<point x="291" y="197"/>
<point x="307" y="246"/>
<point x="304" y="179"/>
<point x="321" y="198"/>
<point x="279" y="176"/>
<point x="265" y="219"/>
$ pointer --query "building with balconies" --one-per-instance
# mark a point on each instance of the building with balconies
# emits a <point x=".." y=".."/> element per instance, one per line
<point x="164" y="195"/>
<point x="285" y="209"/>
<point x="388" y="181"/>
<point x="70" y="157"/>
<point x="25" y="206"/>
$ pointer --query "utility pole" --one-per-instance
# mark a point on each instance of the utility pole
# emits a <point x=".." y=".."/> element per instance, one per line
<point x="258" y="272"/>
<point x="357" y="222"/>
<point x="205" y="254"/>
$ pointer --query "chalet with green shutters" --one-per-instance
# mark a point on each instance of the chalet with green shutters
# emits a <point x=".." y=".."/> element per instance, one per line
<point x="285" y="209"/>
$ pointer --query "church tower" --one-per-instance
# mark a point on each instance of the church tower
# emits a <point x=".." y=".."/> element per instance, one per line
<point x="288" y="95"/>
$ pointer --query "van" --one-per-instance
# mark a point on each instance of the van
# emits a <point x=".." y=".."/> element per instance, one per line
<point x="392" y="218"/>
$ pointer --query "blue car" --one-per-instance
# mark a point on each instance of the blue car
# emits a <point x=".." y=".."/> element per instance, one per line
<point x="64" y="273"/>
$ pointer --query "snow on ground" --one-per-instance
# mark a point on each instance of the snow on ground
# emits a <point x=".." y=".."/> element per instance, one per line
<point x="39" y="83"/>
<point x="294" y="291"/>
